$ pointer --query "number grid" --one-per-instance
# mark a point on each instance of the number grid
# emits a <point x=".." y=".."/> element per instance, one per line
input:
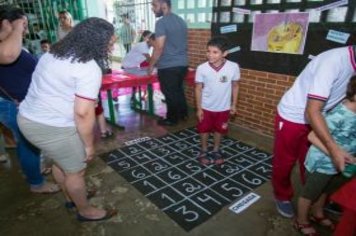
<point x="166" y="171"/>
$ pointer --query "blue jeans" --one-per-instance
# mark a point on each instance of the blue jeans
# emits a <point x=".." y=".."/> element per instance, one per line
<point x="27" y="153"/>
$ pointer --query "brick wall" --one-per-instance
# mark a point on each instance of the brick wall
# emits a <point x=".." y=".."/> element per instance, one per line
<point x="259" y="91"/>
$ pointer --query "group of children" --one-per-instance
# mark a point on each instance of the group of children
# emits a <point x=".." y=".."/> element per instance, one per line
<point x="216" y="95"/>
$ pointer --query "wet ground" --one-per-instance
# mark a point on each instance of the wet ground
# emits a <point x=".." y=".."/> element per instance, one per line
<point x="24" y="213"/>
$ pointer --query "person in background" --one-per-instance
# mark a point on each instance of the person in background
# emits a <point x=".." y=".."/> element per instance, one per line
<point x="139" y="56"/>
<point x="171" y="59"/>
<point x="65" y="131"/>
<point x="126" y="33"/>
<point x="216" y="90"/>
<point x="322" y="177"/>
<point x="105" y="130"/>
<point x="15" y="79"/>
<point x="321" y="85"/>
<point x="45" y="47"/>
<point x="66" y="24"/>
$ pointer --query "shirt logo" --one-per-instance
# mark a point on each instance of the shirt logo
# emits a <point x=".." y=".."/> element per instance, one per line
<point x="223" y="79"/>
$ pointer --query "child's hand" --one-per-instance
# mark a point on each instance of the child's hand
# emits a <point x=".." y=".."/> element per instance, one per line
<point x="340" y="157"/>
<point x="200" y="115"/>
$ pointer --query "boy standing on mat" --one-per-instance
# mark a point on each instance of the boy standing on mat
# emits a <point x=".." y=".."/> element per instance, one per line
<point x="216" y="90"/>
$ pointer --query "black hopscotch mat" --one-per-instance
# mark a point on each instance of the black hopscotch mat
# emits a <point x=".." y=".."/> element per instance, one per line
<point x="167" y="172"/>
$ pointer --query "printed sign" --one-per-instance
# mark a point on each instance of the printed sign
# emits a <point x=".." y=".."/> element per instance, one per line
<point x="241" y="10"/>
<point x="234" y="49"/>
<point x="337" y="36"/>
<point x="228" y="29"/>
<point x="332" y="5"/>
<point x="244" y="203"/>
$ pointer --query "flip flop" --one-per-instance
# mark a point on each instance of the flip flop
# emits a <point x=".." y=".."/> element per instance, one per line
<point x="323" y="221"/>
<point x="305" y="229"/>
<point x="46" y="188"/>
<point x="109" y="213"/>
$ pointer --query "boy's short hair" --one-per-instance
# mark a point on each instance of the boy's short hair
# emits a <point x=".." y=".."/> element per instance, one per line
<point x="351" y="89"/>
<point x="44" y="41"/>
<point x="220" y="42"/>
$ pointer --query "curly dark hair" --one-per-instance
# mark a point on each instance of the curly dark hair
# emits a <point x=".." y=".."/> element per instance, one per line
<point x="10" y="13"/>
<point x="351" y="89"/>
<point x="89" y="40"/>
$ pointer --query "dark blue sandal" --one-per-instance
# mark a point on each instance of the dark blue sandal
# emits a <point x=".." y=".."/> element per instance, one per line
<point x="109" y="214"/>
<point x="71" y="205"/>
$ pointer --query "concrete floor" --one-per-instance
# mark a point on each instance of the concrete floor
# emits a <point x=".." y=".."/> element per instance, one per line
<point x="24" y="213"/>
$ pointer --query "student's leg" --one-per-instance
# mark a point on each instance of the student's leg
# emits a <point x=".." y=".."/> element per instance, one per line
<point x="217" y="141"/>
<point x="311" y="193"/>
<point x="204" y="128"/>
<point x="28" y="155"/>
<point x="59" y="176"/>
<point x="204" y="141"/>
<point x="220" y="126"/>
<point x="304" y="205"/>
<point x="103" y="127"/>
<point x="102" y="123"/>
<point x="288" y="139"/>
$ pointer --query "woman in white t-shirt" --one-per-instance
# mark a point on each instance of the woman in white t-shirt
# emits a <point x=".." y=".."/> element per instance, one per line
<point x="57" y="114"/>
<point x="137" y="59"/>
<point x="66" y="24"/>
<point x="139" y="55"/>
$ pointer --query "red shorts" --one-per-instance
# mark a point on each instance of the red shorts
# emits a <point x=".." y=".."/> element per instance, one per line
<point x="99" y="109"/>
<point x="214" y="122"/>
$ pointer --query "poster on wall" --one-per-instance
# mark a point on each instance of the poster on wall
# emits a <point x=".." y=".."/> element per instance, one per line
<point x="280" y="32"/>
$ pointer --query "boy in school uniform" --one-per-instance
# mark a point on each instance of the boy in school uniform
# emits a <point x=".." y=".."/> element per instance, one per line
<point x="216" y="90"/>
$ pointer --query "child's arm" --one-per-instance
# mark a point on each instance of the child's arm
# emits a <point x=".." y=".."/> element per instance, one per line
<point x="198" y="92"/>
<point x="317" y="142"/>
<point x="147" y="56"/>
<point x="235" y="92"/>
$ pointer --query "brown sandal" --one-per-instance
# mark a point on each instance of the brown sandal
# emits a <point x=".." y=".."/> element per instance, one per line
<point x="323" y="221"/>
<point x="305" y="229"/>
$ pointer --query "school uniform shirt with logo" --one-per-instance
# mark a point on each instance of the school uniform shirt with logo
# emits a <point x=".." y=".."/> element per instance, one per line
<point x="325" y="78"/>
<point x="217" y="87"/>
<point x="135" y="56"/>
<point x="55" y="84"/>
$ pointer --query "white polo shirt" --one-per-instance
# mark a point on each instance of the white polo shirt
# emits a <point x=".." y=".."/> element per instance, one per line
<point x="135" y="56"/>
<point x="324" y="78"/>
<point x="55" y="84"/>
<point x="216" y="93"/>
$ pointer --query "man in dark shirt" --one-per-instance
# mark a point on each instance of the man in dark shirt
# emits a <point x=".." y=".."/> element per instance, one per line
<point x="170" y="57"/>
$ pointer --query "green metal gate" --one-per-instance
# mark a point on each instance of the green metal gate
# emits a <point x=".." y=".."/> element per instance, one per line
<point x="43" y="18"/>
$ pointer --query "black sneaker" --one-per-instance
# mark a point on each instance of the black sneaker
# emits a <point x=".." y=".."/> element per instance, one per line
<point x="166" y="122"/>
